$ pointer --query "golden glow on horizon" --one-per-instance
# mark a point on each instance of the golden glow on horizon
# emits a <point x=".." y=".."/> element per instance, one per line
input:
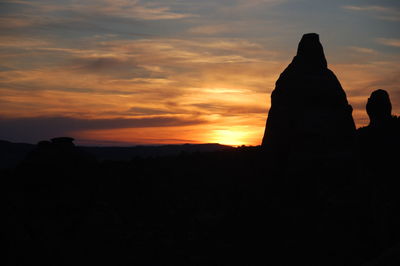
<point x="230" y="137"/>
<point x="234" y="136"/>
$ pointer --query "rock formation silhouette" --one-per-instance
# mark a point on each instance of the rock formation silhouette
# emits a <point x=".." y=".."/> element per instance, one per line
<point x="379" y="108"/>
<point x="58" y="151"/>
<point x="379" y="146"/>
<point x="309" y="110"/>
<point x="379" y="139"/>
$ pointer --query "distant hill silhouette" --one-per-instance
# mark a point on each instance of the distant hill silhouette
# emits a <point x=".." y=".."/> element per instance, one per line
<point x="11" y="154"/>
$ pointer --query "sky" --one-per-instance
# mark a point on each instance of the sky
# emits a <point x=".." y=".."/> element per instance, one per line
<point x="128" y="72"/>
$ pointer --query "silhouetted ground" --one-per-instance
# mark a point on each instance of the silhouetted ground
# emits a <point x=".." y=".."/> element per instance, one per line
<point x="11" y="154"/>
<point x="234" y="207"/>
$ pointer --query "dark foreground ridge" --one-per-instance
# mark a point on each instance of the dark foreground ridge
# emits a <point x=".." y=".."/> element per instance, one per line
<point x="313" y="194"/>
<point x="11" y="154"/>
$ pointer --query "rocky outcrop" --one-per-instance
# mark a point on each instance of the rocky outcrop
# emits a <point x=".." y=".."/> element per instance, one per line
<point x="379" y="146"/>
<point x="379" y="108"/>
<point x="309" y="109"/>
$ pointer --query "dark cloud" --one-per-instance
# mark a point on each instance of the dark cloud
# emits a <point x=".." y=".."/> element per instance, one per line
<point x="150" y="141"/>
<point x="101" y="64"/>
<point x="39" y="87"/>
<point x="34" y="129"/>
<point x="119" y="68"/>
<point x="143" y="111"/>
<point x="146" y="111"/>
<point x="73" y="19"/>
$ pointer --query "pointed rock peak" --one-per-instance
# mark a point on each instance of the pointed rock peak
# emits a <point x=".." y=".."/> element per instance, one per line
<point x="310" y="52"/>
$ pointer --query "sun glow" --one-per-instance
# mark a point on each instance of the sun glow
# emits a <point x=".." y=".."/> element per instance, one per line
<point x="230" y="137"/>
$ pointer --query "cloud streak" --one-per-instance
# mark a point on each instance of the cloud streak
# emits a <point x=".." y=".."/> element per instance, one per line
<point x="136" y="9"/>
<point x="389" y="42"/>
<point x="37" y="128"/>
<point x="381" y="12"/>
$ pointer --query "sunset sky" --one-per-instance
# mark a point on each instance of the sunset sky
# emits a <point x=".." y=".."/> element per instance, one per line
<point x="126" y="72"/>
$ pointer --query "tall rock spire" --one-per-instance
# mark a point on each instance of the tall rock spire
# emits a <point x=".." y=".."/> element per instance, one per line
<point x="309" y="109"/>
<point x="310" y="52"/>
